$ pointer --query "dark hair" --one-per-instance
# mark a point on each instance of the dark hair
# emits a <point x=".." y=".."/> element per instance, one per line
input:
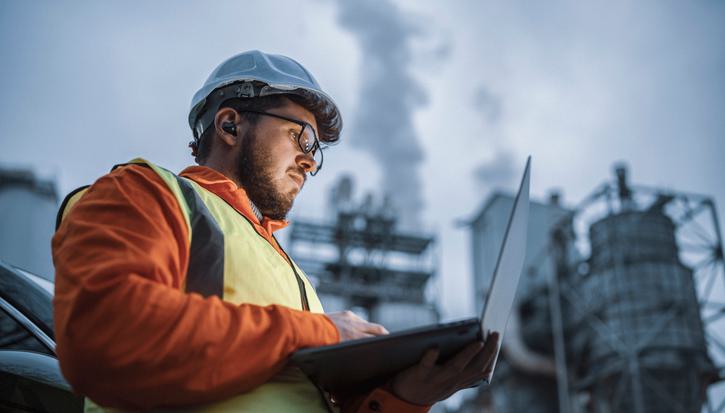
<point x="329" y="122"/>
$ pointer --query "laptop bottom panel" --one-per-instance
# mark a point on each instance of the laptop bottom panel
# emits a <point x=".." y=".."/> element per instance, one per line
<point x="360" y="365"/>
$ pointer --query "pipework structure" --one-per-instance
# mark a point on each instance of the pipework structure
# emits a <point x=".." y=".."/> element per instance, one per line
<point x="642" y="315"/>
<point x="360" y="259"/>
<point x="632" y="313"/>
<point x="525" y="377"/>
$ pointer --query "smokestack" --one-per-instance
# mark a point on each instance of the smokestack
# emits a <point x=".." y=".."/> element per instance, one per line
<point x="555" y="197"/>
<point x="389" y="97"/>
<point x="624" y="192"/>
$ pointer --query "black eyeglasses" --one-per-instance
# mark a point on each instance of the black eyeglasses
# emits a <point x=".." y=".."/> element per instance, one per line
<point x="306" y="138"/>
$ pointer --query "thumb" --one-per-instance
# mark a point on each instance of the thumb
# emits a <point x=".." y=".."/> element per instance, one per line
<point x="429" y="358"/>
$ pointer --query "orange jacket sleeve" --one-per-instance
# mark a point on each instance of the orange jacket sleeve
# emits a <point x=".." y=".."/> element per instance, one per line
<point x="127" y="335"/>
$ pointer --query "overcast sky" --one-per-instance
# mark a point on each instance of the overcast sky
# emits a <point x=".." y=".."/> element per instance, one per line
<point x="442" y="100"/>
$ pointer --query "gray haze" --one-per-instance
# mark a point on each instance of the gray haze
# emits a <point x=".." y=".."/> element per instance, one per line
<point x="579" y="85"/>
<point x="489" y="104"/>
<point x="500" y="169"/>
<point x="383" y="124"/>
<point x="500" y="172"/>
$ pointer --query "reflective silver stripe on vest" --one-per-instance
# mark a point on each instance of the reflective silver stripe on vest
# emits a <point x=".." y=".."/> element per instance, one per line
<point x="206" y="253"/>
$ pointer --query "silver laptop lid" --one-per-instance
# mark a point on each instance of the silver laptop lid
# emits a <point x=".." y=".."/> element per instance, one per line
<point x="501" y="295"/>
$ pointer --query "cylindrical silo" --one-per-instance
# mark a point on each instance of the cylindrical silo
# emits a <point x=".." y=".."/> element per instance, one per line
<point x="641" y="343"/>
<point x="28" y="207"/>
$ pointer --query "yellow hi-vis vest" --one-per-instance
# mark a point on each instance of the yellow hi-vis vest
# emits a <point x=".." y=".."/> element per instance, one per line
<point x="230" y="259"/>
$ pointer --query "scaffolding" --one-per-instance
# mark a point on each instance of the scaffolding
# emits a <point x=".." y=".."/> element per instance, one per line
<point x="638" y="315"/>
<point x="633" y="311"/>
<point x="360" y="259"/>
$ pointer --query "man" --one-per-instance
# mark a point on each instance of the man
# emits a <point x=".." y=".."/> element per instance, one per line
<point x="172" y="292"/>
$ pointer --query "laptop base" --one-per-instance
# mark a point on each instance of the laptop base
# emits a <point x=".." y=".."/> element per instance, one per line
<point x="368" y="363"/>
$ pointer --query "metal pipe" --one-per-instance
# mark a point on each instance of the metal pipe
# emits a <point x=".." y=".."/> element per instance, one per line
<point x="520" y="355"/>
<point x="636" y="383"/>
<point x="718" y="235"/>
<point x="557" y="323"/>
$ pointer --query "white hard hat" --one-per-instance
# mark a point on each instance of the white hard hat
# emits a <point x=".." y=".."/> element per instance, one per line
<point x="254" y="74"/>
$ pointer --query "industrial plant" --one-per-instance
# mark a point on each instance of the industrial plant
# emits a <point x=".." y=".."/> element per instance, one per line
<point x="28" y="206"/>
<point x="620" y="307"/>
<point x="361" y="260"/>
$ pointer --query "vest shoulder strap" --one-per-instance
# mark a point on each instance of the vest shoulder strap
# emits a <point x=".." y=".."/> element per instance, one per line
<point x="205" y="274"/>
<point x="68" y="202"/>
<point x="75" y="195"/>
<point x="172" y="181"/>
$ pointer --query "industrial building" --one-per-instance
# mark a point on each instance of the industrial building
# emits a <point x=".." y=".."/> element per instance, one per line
<point x="361" y="260"/>
<point x="28" y="205"/>
<point x="620" y="305"/>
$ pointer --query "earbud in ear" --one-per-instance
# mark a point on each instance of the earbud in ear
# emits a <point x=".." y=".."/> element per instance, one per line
<point x="229" y="127"/>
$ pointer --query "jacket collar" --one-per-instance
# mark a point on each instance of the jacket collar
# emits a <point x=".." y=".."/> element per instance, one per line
<point x="217" y="183"/>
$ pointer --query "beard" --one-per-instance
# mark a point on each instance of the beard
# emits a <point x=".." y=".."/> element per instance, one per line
<point x="255" y="172"/>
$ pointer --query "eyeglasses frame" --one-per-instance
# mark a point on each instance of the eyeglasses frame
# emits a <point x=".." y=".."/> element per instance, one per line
<point x="304" y="125"/>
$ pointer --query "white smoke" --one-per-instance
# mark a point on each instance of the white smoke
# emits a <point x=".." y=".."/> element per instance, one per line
<point x="389" y="95"/>
<point x="499" y="170"/>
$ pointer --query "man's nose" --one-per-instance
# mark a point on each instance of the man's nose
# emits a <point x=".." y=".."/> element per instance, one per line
<point x="307" y="162"/>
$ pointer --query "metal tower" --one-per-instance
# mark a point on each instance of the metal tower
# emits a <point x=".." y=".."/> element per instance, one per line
<point x="639" y="316"/>
<point x="633" y="311"/>
<point x="359" y="259"/>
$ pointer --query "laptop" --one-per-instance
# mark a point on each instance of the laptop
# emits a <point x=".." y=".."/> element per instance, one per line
<point x="363" y="364"/>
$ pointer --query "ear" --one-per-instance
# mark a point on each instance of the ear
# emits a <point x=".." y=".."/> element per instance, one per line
<point x="225" y="116"/>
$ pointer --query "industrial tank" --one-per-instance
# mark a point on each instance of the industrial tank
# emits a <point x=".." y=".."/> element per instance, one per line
<point x="28" y="206"/>
<point x="643" y="348"/>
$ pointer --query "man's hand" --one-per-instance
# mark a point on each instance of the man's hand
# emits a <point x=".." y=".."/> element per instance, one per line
<point x="352" y="327"/>
<point x="427" y="383"/>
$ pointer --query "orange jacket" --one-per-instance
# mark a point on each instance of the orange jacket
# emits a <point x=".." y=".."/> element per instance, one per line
<point x="129" y="337"/>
